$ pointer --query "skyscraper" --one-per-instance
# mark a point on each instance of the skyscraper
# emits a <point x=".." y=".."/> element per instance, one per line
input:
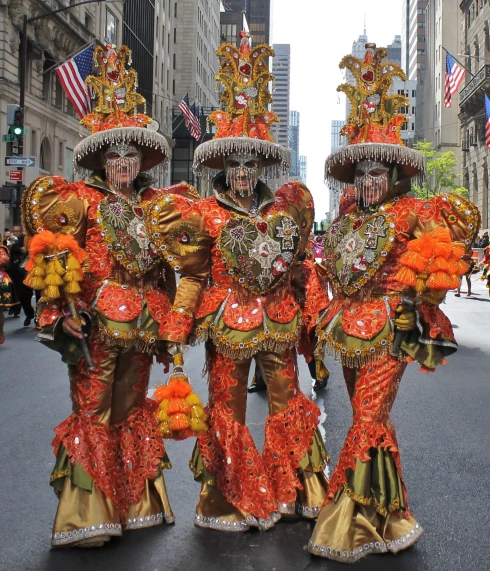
<point x="294" y="144"/>
<point x="395" y="51"/>
<point x="281" y="68"/>
<point x="258" y="17"/>
<point x="303" y="168"/>
<point x="358" y="51"/>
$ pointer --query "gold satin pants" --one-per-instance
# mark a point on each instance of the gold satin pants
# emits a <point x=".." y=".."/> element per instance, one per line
<point x="110" y="455"/>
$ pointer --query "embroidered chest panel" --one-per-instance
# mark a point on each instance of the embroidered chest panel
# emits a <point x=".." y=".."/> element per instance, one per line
<point x="123" y="229"/>
<point x="356" y="246"/>
<point x="258" y="251"/>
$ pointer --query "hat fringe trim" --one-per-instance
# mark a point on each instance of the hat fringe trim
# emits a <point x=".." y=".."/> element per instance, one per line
<point x="375" y="151"/>
<point x="127" y="135"/>
<point x="243" y="145"/>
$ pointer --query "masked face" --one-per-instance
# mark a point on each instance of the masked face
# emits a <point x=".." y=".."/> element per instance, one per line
<point x="123" y="163"/>
<point x="372" y="182"/>
<point x="242" y="173"/>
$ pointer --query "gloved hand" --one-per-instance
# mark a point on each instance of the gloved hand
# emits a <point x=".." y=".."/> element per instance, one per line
<point x="405" y="319"/>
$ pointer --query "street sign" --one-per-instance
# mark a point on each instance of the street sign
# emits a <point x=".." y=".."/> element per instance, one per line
<point x="20" y="161"/>
<point x="8" y="138"/>
<point x="15" y="176"/>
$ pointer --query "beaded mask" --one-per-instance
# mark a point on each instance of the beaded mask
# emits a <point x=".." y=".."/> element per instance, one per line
<point x="239" y="167"/>
<point x="122" y="160"/>
<point x="371" y="181"/>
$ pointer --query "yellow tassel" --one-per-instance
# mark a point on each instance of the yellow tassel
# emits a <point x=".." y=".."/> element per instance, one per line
<point x="198" y="426"/>
<point x="193" y="400"/>
<point x="72" y="288"/>
<point x="53" y="279"/>
<point x="58" y="268"/>
<point x="165" y="429"/>
<point x="72" y="264"/>
<point x="37" y="283"/>
<point x="420" y="286"/>
<point x="72" y="276"/>
<point x="40" y="261"/>
<point x="162" y="416"/>
<point x="52" y="292"/>
<point x="39" y="271"/>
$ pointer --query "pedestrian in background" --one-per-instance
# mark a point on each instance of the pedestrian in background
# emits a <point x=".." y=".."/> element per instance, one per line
<point x="17" y="273"/>
<point x="471" y="266"/>
<point x="6" y="287"/>
<point x="484" y="241"/>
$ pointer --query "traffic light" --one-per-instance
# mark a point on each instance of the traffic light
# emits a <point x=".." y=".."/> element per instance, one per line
<point x="15" y="120"/>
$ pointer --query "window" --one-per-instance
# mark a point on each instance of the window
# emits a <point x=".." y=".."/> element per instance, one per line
<point x="34" y="143"/>
<point x="61" y="154"/>
<point x="175" y="35"/>
<point x="45" y="155"/>
<point x="110" y="27"/>
<point x="173" y="86"/>
<point x="174" y="63"/>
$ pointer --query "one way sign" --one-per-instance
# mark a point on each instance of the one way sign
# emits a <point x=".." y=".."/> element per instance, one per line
<point x="20" y="161"/>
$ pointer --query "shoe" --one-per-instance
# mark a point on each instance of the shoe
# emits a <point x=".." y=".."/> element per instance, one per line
<point x="2" y="337"/>
<point x="257" y="386"/>
<point x="457" y="295"/>
<point x="320" y="385"/>
<point x="27" y="321"/>
<point x="16" y="315"/>
<point x="468" y="294"/>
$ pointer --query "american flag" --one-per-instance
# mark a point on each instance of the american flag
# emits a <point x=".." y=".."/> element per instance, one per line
<point x="487" y="126"/>
<point x="196" y="122"/>
<point x="454" y="77"/>
<point x="72" y="75"/>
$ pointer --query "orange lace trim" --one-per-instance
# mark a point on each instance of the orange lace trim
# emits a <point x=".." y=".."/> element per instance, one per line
<point x="375" y="391"/>
<point x="119" y="458"/>
<point x="288" y="437"/>
<point x="228" y="450"/>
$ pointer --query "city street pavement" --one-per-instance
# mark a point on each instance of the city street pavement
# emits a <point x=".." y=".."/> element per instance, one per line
<point x="443" y="427"/>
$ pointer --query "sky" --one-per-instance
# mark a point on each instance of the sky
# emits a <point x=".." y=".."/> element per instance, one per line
<point x="321" y="33"/>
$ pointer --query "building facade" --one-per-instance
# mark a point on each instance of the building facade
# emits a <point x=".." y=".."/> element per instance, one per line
<point x="258" y="14"/>
<point x="440" y="124"/>
<point x="475" y="155"/>
<point x="337" y="141"/>
<point x="358" y="51"/>
<point x="51" y="123"/>
<point x="281" y="68"/>
<point x="409" y="89"/>
<point x="294" y="144"/>
<point x="194" y="37"/>
<point x="303" y="168"/>
<point x="414" y="53"/>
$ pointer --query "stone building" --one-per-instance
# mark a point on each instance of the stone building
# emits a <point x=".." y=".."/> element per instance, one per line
<point x="195" y="38"/>
<point x="52" y="125"/>
<point x="475" y="155"/>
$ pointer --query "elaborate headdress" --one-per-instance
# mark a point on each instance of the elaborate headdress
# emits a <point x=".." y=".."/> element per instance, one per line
<point x="374" y="124"/>
<point x="115" y="119"/>
<point x="243" y="126"/>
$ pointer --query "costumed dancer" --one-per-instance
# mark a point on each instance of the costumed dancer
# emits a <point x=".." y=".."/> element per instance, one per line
<point x="251" y="242"/>
<point x="390" y="259"/>
<point x="109" y="454"/>
<point x="7" y="300"/>
<point x="485" y="265"/>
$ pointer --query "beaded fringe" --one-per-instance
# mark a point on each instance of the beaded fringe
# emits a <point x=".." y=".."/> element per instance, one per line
<point x="242" y="353"/>
<point x="324" y="349"/>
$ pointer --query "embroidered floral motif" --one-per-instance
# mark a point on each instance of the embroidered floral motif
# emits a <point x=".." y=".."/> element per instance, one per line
<point x="119" y="304"/>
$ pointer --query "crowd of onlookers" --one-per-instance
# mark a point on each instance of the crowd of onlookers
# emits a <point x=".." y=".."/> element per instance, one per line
<point x="482" y="242"/>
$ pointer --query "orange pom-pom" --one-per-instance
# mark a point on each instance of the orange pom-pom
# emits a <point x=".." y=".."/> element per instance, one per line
<point x="179" y="422"/>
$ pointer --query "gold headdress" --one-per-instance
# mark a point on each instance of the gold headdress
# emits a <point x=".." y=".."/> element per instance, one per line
<point x="115" y="118"/>
<point x="375" y="121"/>
<point x="243" y="126"/>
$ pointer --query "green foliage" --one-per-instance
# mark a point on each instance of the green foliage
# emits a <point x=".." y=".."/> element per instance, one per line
<point x="441" y="175"/>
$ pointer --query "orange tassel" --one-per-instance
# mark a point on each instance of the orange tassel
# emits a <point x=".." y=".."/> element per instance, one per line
<point x="439" y="263"/>
<point x="440" y="280"/>
<point x="179" y="422"/>
<point x="407" y="276"/>
<point x="414" y="260"/>
<point x="177" y="405"/>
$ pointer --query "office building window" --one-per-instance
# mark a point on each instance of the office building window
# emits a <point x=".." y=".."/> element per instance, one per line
<point x="110" y="27"/>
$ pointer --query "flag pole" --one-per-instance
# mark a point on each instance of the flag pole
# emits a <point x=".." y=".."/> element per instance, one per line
<point x="457" y="61"/>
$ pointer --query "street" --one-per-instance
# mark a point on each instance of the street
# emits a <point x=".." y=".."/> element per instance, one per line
<point x="443" y="427"/>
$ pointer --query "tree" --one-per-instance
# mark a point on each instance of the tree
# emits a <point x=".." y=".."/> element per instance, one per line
<point x="441" y="175"/>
